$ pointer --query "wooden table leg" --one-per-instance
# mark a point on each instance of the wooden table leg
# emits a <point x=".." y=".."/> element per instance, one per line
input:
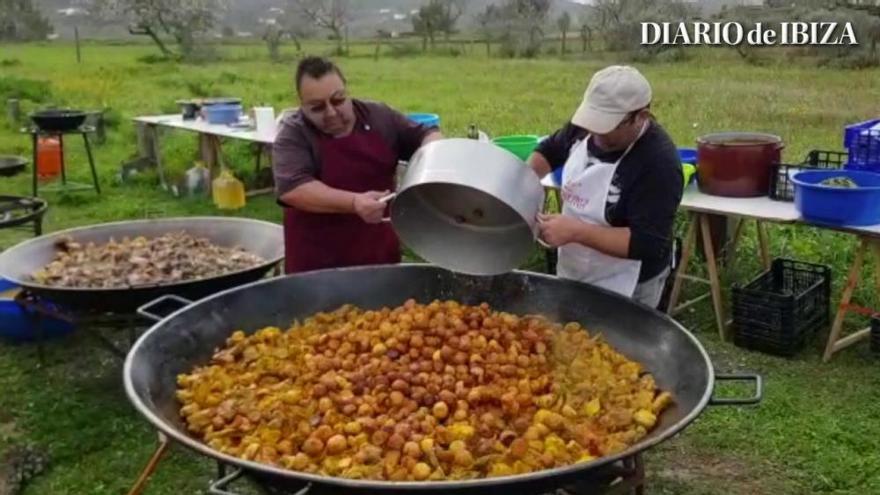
<point x="764" y="243"/>
<point x="157" y="153"/>
<point x="690" y="239"/>
<point x="714" y="280"/>
<point x="853" y="280"/>
<point x="730" y="250"/>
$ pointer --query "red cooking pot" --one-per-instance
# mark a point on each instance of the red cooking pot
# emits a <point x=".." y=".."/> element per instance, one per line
<point x="737" y="164"/>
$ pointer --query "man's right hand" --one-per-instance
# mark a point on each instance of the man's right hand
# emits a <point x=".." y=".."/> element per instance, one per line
<point x="368" y="207"/>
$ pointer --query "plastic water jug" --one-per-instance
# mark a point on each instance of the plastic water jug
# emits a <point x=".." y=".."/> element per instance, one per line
<point x="198" y="179"/>
<point x="228" y="192"/>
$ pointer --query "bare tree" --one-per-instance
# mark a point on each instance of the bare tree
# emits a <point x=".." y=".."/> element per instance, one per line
<point x="619" y="21"/>
<point x="182" y="20"/>
<point x="332" y="15"/>
<point x="564" y="24"/>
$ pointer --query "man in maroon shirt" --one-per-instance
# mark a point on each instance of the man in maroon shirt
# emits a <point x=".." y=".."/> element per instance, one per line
<point x="333" y="160"/>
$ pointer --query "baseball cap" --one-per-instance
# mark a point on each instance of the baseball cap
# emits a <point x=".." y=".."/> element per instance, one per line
<point x="613" y="92"/>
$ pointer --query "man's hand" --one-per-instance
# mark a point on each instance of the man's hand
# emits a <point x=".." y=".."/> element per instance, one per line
<point x="368" y="207"/>
<point x="558" y="230"/>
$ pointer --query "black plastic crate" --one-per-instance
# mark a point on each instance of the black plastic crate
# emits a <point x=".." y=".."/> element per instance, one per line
<point x="779" y="310"/>
<point x="781" y="187"/>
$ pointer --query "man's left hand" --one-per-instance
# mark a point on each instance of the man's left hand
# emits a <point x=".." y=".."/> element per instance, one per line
<point x="558" y="230"/>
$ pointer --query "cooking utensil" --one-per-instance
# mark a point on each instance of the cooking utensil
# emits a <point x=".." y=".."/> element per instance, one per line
<point x="737" y="164"/>
<point x="261" y="238"/>
<point x="468" y="206"/>
<point x="58" y="120"/>
<point x="188" y="338"/>
<point x="11" y="165"/>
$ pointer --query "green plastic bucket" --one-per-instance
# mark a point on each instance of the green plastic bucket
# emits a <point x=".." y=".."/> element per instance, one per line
<point x="520" y="145"/>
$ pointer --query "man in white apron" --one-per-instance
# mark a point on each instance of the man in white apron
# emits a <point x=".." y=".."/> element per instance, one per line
<point x="621" y="186"/>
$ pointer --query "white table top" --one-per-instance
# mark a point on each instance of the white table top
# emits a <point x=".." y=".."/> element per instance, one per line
<point x="200" y="125"/>
<point x="761" y="208"/>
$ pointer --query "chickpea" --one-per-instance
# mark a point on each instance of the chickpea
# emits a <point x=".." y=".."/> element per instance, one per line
<point x="395" y="442"/>
<point x="396" y="398"/>
<point x="379" y="437"/>
<point x="336" y="445"/>
<point x="313" y="446"/>
<point x="421" y="471"/>
<point x="400" y="386"/>
<point x="440" y="410"/>
<point x="412" y="449"/>
<point x="463" y="458"/>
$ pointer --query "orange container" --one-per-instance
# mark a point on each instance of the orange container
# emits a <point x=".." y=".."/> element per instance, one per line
<point x="48" y="157"/>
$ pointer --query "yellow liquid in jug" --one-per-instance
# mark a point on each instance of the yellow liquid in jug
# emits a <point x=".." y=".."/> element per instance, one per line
<point x="228" y="192"/>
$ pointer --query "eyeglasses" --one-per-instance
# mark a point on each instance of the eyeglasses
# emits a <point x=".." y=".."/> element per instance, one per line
<point x="321" y="107"/>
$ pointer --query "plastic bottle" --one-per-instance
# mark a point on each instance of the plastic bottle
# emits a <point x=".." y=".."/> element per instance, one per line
<point x="198" y="179"/>
<point x="228" y="192"/>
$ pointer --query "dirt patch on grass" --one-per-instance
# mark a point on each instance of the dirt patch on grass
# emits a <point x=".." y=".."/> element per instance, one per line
<point x="715" y="472"/>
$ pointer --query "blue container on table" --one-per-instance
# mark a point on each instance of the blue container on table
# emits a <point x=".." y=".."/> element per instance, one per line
<point x="687" y="155"/>
<point x="223" y="113"/>
<point x="428" y="119"/>
<point x="16" y="325"/>
<point x="862" y="142"/>
<point x="836" y="205"/>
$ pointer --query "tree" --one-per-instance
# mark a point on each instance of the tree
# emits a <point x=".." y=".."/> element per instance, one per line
<point x="489" y="21"/>
<point x="619" y="21"/>
<point x="586" y="37"/>
<point x="517" y="24"/>
<point x="332" y="15"/>
<point x="20" y="20"/>
<point x="182" y="20"/>
<point x="564" y="23"/>
<point x="437" y="16"/>
<point x="427" y="22"/>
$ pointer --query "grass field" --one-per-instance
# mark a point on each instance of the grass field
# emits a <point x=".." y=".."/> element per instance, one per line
<point x="817" y="431"/>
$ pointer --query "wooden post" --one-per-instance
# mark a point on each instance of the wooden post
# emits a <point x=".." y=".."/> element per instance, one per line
<point x="100" y="128"/>
<point x="13" y="110"/>
<point x="76" y="37"/>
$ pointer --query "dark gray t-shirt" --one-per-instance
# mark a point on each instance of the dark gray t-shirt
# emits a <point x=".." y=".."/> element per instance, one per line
<point x="295" y="156"/>
<point x="645" y="191"/>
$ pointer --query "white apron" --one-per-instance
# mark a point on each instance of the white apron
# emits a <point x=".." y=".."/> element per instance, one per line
<point x="584" y="194"/>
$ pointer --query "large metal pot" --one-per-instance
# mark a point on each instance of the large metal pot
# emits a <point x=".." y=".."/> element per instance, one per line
<point x="468" y="206"/>
<point x="188" y="338"/>
<point x="737" y="164"/>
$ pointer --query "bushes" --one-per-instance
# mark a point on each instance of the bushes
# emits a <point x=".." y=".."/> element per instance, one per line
<point x="24" y="89"/>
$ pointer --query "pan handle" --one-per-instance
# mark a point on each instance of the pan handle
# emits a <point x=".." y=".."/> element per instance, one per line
<point x="386" y="199"/>
<point x="222" y="486"/>
<point x="145" y="309"/>
<point x="747" y="377"/>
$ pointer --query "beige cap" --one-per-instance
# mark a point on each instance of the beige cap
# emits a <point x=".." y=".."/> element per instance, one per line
<point x="613" y="92"/>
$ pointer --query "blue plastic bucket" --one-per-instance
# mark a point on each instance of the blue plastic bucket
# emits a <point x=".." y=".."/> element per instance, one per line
<point x="836" y="205"/>
<point x="16" y="325"/>
<point x="688" y="155"/>
<point x="223" y="113"/>
<point x="428" y="119"/>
